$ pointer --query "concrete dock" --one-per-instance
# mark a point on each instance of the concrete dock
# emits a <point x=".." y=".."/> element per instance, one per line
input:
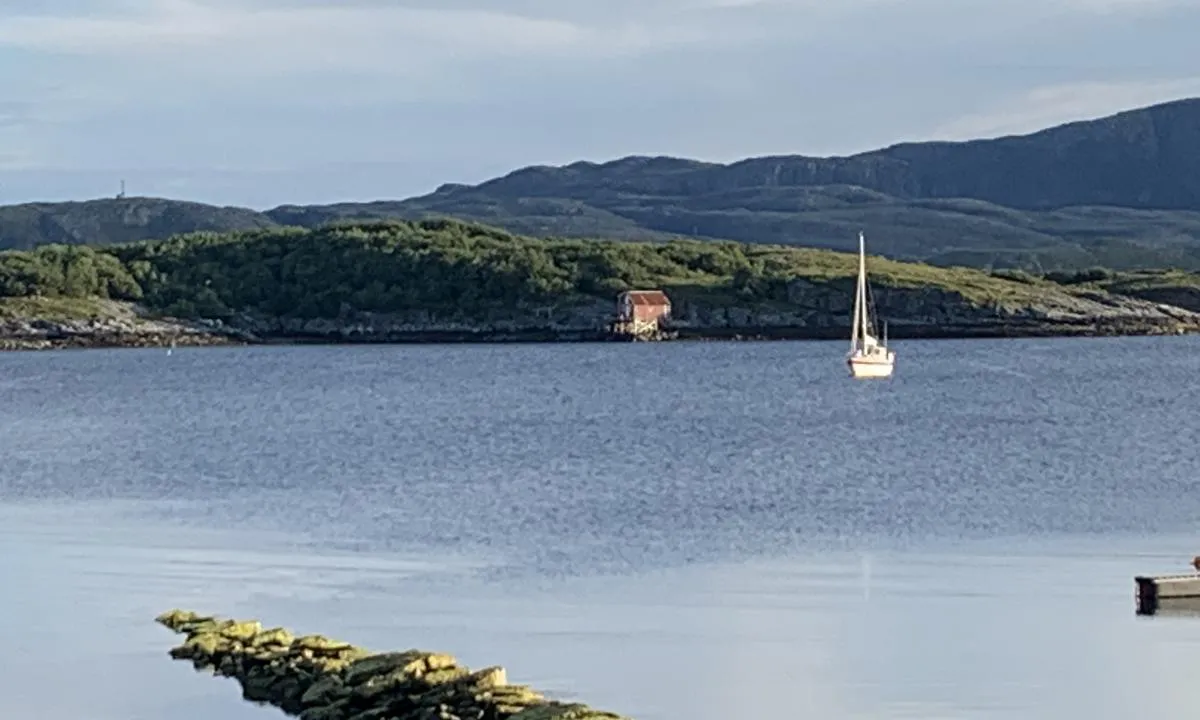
<point x="1166" y="592"/>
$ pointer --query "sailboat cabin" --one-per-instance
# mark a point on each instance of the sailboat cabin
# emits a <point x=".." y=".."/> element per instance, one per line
<point x="643" y="307"/>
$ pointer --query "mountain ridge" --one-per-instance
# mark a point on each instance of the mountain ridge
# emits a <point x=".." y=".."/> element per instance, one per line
<point x="1121" y="191"/>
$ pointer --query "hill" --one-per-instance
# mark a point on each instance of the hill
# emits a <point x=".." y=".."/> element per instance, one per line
<point x="116" y="220"/>
<point x="447" y="280"/>
<point x="1121" y="191"/>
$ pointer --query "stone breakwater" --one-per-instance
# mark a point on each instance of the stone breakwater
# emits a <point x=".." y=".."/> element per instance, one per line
<point x="316" y="678"/>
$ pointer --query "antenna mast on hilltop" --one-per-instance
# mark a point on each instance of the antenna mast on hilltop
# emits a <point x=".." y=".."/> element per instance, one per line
<point x="121" y="194"/>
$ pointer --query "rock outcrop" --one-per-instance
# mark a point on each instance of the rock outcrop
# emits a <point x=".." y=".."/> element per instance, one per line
<point x="316" y="678"/>
<point x="812" y="309"/>
<point x="116" y="325"/>
<point x="823" y="309"/>
<point x="37" y="334"/>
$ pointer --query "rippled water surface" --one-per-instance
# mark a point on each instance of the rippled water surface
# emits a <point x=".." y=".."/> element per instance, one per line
<point x="694" y="531"/>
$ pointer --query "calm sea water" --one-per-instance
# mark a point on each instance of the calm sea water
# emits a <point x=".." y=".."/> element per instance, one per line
<point x="669" y="531"/>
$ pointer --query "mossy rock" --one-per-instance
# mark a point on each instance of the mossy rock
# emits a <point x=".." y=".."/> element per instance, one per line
<point x="325" y="691"/>
<point x="439" y="661"/>
<point x="244" y="630"/>
<point x="274" y="636"/>
<point x="266" y="654"/>
<point x="349" y="655"/>
<point x="370" y="691"/>
<point x="177" y="619"/>
<point x="514" y="695"/>
<point x="201" y="645"/>
<point x="411" y="663"/>
<point x="445" y="676"/>
<point x="320" y="644"/>
<point x="489" y="677"/>
<point x="328" y="666"/>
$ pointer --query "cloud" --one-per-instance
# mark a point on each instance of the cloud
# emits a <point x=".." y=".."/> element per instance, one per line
<point x="463" y="89"/>
<point x="175" y="25"/>
<point x="1056" y="104"/>
<point x="406" y="37"/>
<point x="324" y="34"/>
<point x="1110" y="7"/>
<point x="13" y="155"/>
<point x="20" y="149"/>
<point x="156" y="53"/>
<point x="13" y="113"/>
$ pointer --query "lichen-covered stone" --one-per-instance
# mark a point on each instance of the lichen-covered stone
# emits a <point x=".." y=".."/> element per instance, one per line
<point x="202" y="645"/>
<point x="445" y="675"/>
<point x="489" y="677"/>
<point x="515" y="695"/>
<point x="239" y="630"/>
<point x="321" y="644"/>
<point x="439" y="661"/>
<point x="175" y="619"/>
<point x="317" y="678"/>
<point x="412" y="663"/>
<point x="273" y="637"/>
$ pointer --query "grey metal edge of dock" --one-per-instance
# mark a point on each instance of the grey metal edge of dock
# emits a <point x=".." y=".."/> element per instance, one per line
<point x="1152" y="591"/>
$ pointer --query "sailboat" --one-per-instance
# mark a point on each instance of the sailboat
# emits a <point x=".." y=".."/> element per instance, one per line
<point x="869" y="357"/>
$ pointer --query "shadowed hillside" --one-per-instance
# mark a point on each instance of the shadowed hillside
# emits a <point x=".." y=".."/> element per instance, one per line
<point x="1121" y="191"/>
<point x="116" y="220"/>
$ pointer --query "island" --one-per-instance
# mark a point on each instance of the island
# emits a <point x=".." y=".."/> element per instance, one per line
<point x="444" y="280"/>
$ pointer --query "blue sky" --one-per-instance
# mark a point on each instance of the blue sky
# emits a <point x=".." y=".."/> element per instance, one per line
<point x="261" y="102"/>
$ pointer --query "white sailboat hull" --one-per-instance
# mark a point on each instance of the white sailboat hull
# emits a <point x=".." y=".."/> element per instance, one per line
<point x="867" y="367"/>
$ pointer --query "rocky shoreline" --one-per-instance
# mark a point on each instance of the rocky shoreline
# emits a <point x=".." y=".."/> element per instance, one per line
<point x="813" y="312"/>
<point x="315" y="678"/>
<point x="108" y="339"/>
<point x="129" y="330"/>
<point x="738" y="334"/>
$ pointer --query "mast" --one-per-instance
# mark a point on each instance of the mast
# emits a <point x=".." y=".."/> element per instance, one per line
<point x="858" y="304"/>
<point x="862" y="287"/>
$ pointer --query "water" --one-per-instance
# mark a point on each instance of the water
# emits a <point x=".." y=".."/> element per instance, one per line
<point x="670" y="531"/>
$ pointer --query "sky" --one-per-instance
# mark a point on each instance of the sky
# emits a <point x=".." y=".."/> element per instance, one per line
<point x="265" y="102"/>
